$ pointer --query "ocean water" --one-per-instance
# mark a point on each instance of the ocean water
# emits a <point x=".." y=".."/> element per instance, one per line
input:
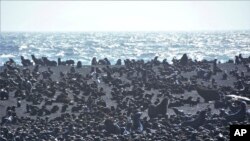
<point x="125" y="45"/>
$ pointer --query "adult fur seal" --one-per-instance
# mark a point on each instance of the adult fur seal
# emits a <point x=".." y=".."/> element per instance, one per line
<point x="208" y="94"/>
<point x="161" y="109"/>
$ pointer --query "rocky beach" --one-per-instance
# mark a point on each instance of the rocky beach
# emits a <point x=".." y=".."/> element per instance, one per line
<point x="63" y="100"/>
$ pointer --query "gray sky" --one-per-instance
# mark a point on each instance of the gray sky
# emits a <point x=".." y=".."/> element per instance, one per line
<point x="124" y="15"/>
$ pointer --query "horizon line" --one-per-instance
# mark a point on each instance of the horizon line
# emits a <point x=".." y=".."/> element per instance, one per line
<point x="59" y="31"/>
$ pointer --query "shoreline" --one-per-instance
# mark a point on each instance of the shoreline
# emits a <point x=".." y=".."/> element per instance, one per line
<point x="146" y="60"/>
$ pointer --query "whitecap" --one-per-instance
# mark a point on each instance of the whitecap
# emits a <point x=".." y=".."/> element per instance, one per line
<point x="7" y="56"/>
<point x="23" y="47"/>
<point x="61" y="53"/>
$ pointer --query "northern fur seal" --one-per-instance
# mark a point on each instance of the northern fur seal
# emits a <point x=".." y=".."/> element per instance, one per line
<point x="137" y="125"/>
<point x="25" y="62"/>
<point x="111" y="127"/>
<point x="161" y="109"/>
<point x="197" y="122"/>
<point x="208" y="94"/>
<point x="239" y="115"/>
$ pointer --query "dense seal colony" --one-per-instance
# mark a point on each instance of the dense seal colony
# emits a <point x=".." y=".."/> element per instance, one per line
<point x="63" y="100"/>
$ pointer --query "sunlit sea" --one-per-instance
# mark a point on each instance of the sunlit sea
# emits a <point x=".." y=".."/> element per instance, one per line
<point x="124" y="45"/>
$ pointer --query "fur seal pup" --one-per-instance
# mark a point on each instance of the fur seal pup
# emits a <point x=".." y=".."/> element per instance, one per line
<point x="119" y="62"/>
<point x="239" y="115"/>
<point x="197" y="122"/>
<point x="137" y="125"/>
<point x="79" y="64"/>
<point x="111" y="127"/>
